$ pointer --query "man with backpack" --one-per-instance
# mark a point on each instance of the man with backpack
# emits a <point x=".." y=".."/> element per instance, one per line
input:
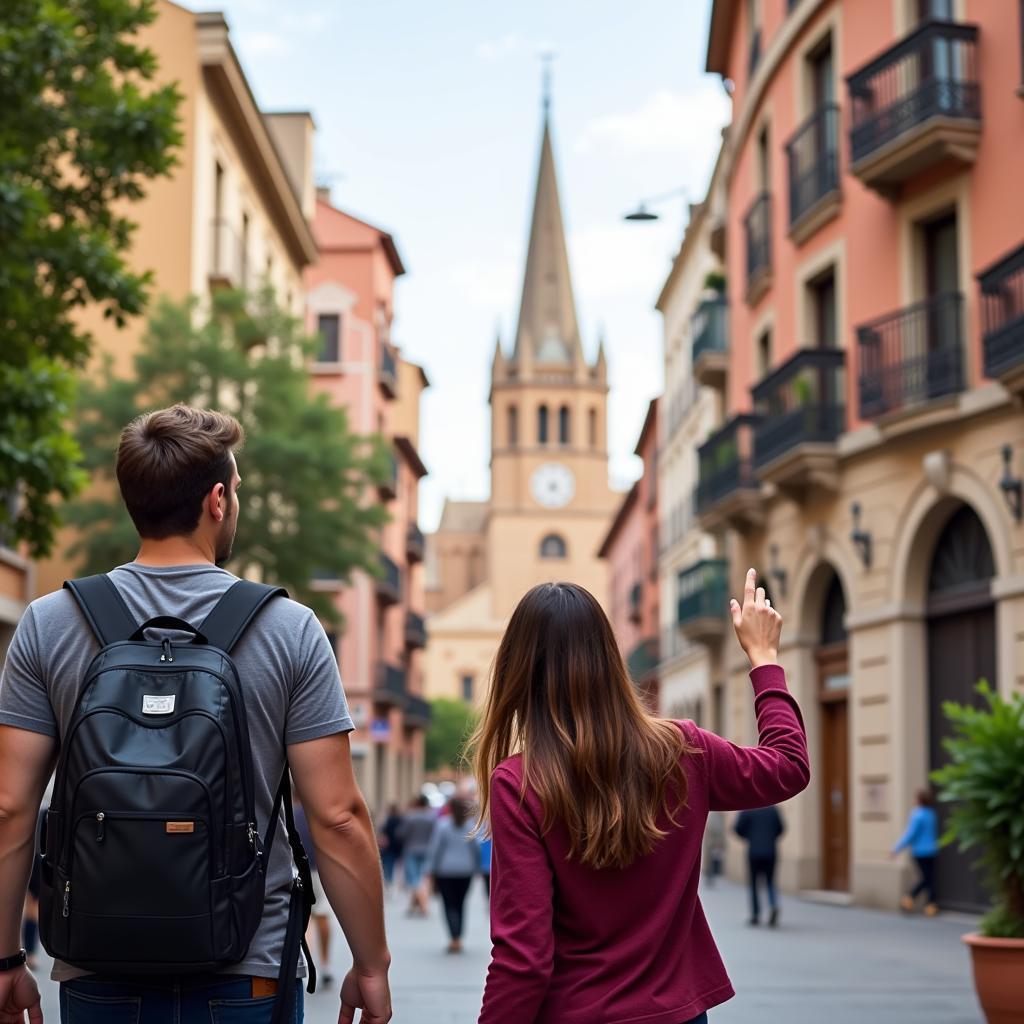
<point x="179" y="698"/>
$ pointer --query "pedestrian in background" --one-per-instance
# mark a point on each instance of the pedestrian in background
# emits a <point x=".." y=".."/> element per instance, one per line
<point x="414" y="831"/>
<point x="319" y="915"/>
<point x="715" y="846"/>
<point x="761" y="828"/>
<point x="452" y="860"/>
<point x="598" y="811"/>
<point x="390" y="842"/>
<point x="922" y="837"/>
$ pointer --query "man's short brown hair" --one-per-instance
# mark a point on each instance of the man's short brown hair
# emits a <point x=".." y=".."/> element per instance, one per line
<point x="169" y="460"/>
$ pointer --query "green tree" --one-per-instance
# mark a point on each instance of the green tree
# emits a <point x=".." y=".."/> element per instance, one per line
<point x="305" y="475"/>
<point x="82" y="127"/>
<point x="450" y="727"/>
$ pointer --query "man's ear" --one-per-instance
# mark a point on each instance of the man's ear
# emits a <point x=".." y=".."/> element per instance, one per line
<point x="215" y="502"/>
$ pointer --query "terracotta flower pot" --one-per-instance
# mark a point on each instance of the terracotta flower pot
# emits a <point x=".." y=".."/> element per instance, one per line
<point x="998" y="977"/>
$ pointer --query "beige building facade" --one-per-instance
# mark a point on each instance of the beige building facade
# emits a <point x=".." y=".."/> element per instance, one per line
<point x="550" y="502"/>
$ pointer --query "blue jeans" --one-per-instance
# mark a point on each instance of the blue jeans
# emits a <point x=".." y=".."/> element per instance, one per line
<point x="207" y="999"/>
<point x="414" y="863"/>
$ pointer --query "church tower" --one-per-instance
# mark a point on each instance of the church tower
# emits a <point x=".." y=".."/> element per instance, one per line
<point x="550" y="500"/>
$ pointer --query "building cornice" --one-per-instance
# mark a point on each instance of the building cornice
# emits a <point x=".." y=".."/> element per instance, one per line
<point x="411" y="456"/>
<point x="227" y="82"/>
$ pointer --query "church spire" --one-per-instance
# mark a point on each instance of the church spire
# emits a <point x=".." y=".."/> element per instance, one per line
<point x="547" y="331"/>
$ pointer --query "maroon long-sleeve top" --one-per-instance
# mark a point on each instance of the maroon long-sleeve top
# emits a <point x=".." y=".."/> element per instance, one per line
<point x="573" y="945"/>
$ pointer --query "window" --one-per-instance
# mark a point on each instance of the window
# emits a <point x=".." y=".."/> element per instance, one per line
<point x="329" y="326"/>
<point x="542" y="424"/>
<point x="243" y="265"/>
<point x="563" y="425"/>
<point x="467" y="687"/>
<point x="823" y="88"/>
<point x="513" y="425"/>
<point x="552" y="546"/>
<point x="823" y="300"/>
<point x="763" y="159"/>
<point x="754" y="36"/>
<point x="592" y="427"/>
<point x="764" y="354"/>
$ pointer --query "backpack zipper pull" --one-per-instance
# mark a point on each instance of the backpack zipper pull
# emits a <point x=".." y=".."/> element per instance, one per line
<point x="167" y="653"/>
<point x="100" y="831"/>
<point x="67" y="898"/>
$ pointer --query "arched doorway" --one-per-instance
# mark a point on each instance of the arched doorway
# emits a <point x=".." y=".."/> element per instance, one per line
<point x="961" y="650"/>
<point x="831" y="657"/>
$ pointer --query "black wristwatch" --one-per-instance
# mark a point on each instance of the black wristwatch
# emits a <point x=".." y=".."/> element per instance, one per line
<point x="8" y="963"/>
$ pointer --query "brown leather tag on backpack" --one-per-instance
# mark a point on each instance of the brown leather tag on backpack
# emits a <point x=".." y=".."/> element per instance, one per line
<point x="179" y="826"/>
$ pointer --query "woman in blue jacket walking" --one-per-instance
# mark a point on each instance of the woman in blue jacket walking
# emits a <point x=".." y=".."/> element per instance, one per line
<point x="922" y="836"/>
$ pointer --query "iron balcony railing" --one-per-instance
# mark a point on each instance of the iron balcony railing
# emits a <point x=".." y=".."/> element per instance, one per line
<point x="803" y="401"/>
<point x="418" y="713"/>
<point x="758" y="224"/>
<point x="643" y="660"/>
<point x="931" y="73"/>
<point x="912" y="356"/>
<point x="390" y="688"/>
<point x="389" y="583"/>
<point x="1002" y="314"/>
<point x="388" y="371"/>
<point x="388" y="487"/>
<point x="415" y="630"/>
<point x="703" y="591"/>
<point x="725" y="462"/>
<point x="709" y="327"/>
<point x="414" y="543"/>
<point x="813" y="156"/>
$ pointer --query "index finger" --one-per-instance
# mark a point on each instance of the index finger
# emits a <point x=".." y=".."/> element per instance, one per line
<point x="750" y="587"/>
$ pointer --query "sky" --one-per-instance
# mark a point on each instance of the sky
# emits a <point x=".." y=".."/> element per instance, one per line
<point x="428" y="125"/>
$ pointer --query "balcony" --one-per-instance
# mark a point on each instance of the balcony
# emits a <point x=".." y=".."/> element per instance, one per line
<point x="1002" y="320"/>
<point x="758" y="226"/>
<point x="389" y="687"/>
<point x="813" y="157"/>
<point x="803" y="411"/>
<point x="415" y="631"/>
<point x="912" y="357"/>
<point x="643" y="660"/>
<point x="703" y="600"/>
<point x="916" y="106"/>
<point x="225" y="255"/>
<point x="728" y="493"/>
<point x="387" y="372"/>
<point x="388" y="487"/>
<point x="389" y="584"/>
<point x="418" y="713"/>
<point x="710" y="353"/>
<point x="636" y="602"/>
<point x="414" y="544"/>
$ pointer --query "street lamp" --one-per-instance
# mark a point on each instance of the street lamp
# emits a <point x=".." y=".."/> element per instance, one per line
<point x="643" y="214"/>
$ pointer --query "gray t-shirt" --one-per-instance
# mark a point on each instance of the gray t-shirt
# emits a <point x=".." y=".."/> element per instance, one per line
<point x="288" y="673"/>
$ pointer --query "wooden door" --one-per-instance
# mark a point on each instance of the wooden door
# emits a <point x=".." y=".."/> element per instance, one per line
<point x="835" y="768"/>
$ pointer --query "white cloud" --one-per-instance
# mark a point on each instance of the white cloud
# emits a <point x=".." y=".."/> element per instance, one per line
<point x="666" y="122"/>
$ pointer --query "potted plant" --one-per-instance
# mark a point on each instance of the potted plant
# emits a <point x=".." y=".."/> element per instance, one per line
<point x="984" y="783"/>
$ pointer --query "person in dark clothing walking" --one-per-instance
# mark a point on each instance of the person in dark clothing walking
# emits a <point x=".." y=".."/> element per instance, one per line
<point x="761" y="829"/>
<point x="922" y="837"/>
<point x="390" y="841"/>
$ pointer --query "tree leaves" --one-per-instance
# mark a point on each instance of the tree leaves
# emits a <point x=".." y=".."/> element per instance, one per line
<point x="307" y="480"/>
<point x="79" y="133"/>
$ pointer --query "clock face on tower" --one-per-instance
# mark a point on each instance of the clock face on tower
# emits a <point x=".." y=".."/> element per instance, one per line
<point x="552" y="485"/>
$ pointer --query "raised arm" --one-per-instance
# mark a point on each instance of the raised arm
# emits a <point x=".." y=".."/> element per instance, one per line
<point x="778" y="767"/>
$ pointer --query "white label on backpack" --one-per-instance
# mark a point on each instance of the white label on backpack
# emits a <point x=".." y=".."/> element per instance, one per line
<point x="155" y="705"/>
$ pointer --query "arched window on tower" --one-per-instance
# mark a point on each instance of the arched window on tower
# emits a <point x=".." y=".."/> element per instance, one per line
<point x="592" y="427"/>
<point x="513" y="425"/>
<point x="552" y="546"/>
<point x="542" y="424"/>
<point x="563" y="425"/>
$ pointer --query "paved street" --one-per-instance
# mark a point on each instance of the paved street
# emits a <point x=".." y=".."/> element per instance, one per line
<point x="840" y="965"/>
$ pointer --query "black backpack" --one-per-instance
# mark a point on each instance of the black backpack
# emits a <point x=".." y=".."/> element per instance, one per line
<point x="152" y="859"/>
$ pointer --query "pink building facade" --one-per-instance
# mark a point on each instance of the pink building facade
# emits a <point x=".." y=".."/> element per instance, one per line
<point x="871" y="448"/>
<point x="350" y="296"/>
<point x="631" y="550"/>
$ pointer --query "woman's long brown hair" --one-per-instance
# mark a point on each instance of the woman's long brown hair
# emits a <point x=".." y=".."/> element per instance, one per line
<point x="561" y="696"/>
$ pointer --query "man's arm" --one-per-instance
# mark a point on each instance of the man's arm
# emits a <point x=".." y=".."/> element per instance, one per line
<point x="348" y="862"/>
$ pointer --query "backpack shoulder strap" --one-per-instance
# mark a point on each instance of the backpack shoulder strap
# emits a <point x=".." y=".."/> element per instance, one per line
<point x="235" y="610"/>
<point x="103" y="607"/>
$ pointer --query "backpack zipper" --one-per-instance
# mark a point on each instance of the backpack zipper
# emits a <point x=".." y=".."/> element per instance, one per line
<point x="100" y="831"/>
<point x="67" y="898"/>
